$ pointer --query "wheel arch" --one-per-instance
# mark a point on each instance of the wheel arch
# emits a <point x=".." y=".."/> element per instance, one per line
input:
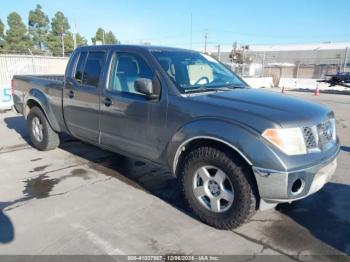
<point x="38" y="99"/>
<point x="244" y="142"/>
<point x="198" y="141"/>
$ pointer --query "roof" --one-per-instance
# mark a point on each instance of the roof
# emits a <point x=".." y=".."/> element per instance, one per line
<point x="138" y="47"/>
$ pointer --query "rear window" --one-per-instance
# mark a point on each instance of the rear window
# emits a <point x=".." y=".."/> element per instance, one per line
<point x="89" y="67"/>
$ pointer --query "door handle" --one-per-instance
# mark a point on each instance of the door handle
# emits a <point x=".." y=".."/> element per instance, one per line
<point x="108" y="102"/>
<point x="70" y="94"/>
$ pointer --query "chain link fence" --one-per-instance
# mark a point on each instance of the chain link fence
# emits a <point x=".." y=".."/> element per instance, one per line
<point x="299" y="64"/>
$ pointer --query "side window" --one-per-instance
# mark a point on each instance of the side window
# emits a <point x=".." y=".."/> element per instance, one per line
<point x="80" y="67"/>
<point x="125" y="70"/>
<point x="93" y="68"/>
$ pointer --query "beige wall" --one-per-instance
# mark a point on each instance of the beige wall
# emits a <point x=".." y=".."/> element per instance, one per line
<point x="23" y="65"/>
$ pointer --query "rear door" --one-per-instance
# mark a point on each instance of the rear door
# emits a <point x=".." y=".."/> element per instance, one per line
<point x="81" y="95"/>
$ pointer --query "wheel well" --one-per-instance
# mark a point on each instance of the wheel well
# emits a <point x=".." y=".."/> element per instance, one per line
<point x="30" y="104"/>
<point x="194" y="144"/>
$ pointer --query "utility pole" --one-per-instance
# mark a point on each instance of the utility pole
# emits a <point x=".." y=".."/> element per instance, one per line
<point x="263" y="64"/>
<point x="103" y="36"/>
<point x="219" y="52"/>
<point x="205" y="42"/>
<point x="345" y="58"/>
<point x="233" y="53"/>
<point x="62" y="39"/>
<point x="75" y="35"/>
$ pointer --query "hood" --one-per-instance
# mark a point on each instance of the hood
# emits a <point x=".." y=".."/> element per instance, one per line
<point x="280" y="109"/>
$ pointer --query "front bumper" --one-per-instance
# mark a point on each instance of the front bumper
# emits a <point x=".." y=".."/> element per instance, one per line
<point x="279" y="186"/>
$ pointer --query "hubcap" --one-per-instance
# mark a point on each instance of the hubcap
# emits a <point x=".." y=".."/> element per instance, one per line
<point x="37" y="128"/>
<point x="213" y="189"/>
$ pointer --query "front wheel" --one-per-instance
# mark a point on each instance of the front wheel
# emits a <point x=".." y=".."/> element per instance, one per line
<point x="218" y="187"/>
<point x="43" y="137"/>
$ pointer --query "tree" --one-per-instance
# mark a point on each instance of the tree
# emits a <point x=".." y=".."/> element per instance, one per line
<point x="104" y="37"/>
<point x="81" y="40"/>
<point x="111" y="39"/>
<point x="38" y="27"/>
<point x="17" y="38"/>
<point x="60" y="29"/>
<point x="2" y="28"/>
<point x="59" y="23"/>
<point x="2" y="35"/>
<point x="240" y="56"/>
<point x="98" y="36"/>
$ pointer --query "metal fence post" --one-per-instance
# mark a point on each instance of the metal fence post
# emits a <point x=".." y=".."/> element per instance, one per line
<point x="345" y="59"/>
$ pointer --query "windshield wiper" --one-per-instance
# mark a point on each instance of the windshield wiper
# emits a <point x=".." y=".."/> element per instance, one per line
<point x="207" y="89"/>
<point x="235" y="86"/>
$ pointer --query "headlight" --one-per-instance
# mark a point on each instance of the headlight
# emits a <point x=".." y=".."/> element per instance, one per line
<point x="289" y="140"/>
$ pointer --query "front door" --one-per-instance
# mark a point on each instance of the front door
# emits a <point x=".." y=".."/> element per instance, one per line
<point x="81" y="96"/>
<point x="129" y="121"/>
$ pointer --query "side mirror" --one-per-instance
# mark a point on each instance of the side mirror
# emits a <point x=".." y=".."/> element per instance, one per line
<point x="145" y="86"/>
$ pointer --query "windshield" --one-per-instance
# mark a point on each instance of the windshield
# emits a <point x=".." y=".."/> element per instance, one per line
<point x="192" y="71"/>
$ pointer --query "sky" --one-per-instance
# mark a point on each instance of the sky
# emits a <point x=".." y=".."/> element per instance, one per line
<point x="254" y="22"/>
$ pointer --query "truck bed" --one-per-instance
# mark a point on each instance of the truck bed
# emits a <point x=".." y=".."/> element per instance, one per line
<point x="47" y="77"/>
<point x="44" y="88"/>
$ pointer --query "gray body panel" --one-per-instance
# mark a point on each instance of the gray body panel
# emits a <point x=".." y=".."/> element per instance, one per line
<point x="158" y="130"/>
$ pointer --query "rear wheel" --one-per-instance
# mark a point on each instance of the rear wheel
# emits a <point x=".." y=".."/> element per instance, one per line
<point x="218" y="187"/>
<point x="43" y="137"/>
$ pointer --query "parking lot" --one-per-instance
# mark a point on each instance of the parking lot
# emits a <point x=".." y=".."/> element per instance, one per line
<point x="79" y="199"/>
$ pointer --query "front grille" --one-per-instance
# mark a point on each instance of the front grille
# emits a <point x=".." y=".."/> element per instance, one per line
<point x="321" y="136"/>
<point x="309" y="137"/>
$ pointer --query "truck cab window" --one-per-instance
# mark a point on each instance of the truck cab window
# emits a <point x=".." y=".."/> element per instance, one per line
<point x="78" y="76"/>
<point x="126" y="69"/>
<point x="93" y="68"/>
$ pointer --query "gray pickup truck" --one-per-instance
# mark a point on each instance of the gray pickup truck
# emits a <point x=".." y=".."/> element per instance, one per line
<point x="234" y="149"/>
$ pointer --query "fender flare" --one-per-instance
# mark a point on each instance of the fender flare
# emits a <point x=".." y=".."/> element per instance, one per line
<point x="40" y="98"/>
<point x="243" y="140"/>
<point x="181" y="148"/>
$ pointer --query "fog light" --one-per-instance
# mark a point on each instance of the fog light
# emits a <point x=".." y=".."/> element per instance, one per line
<point x="298" y="186"/>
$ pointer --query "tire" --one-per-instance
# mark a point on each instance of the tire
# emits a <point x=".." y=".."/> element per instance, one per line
<point x="48" y="138"/>
<point x="238" y="176"/>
